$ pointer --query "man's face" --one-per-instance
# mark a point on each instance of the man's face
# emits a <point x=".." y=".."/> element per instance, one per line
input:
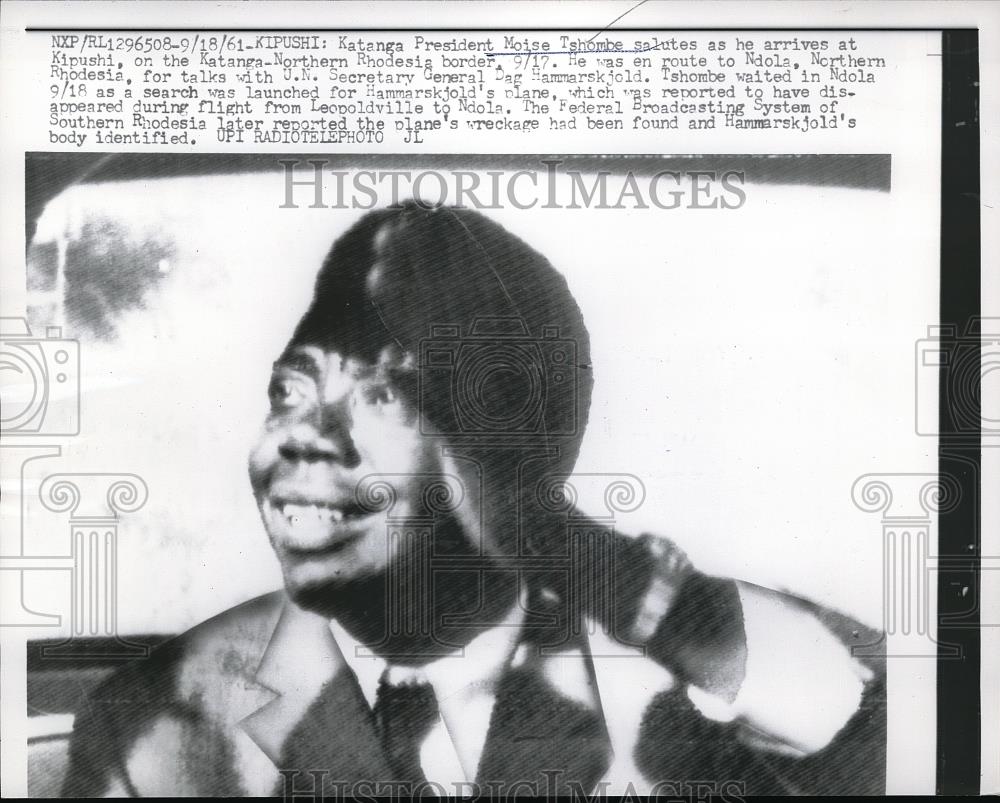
<point x="333" y="422"/>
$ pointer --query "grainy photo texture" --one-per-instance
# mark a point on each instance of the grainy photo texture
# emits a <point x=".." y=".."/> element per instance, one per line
<point x="437" y="475"/>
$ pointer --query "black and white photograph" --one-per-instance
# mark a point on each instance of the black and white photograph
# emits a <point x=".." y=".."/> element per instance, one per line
<point x="345" y="457"/>
<point x="495" y="459"/>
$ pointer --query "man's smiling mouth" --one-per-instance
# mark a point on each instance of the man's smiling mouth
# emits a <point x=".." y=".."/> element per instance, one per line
<point x="311" y="525"/>
<point x="296" y="511"/>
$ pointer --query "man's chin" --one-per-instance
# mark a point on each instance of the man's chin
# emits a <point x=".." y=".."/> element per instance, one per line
<point x="325" y="594"/>
<point x="321" y="598"/>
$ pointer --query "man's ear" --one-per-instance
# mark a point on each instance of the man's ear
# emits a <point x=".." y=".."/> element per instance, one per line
<point x="469" y="513"/>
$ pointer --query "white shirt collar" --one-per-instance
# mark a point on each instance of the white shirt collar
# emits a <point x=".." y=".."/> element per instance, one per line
<point x="464" y="681"/>
<point x="479" y="664"/>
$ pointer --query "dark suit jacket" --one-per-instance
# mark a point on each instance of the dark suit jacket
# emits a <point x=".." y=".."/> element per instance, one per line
<point x="262" y="687"/>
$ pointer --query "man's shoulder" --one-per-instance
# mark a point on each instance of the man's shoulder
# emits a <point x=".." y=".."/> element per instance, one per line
<point x="225" y="646"/>
<point x="245" y="626"/>
<point x="161" y="721"/>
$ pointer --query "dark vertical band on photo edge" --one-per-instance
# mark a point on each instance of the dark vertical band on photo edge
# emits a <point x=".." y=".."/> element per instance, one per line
<point x="958" y="679"/>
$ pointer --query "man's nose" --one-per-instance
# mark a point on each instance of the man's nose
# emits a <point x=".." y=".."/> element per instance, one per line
<point x="328" y="436"/>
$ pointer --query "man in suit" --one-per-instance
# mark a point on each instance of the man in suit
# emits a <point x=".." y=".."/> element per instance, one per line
<point x="450" y="623"/>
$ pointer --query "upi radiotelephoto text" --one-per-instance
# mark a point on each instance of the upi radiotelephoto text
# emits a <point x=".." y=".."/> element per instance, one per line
<point x="195" y="89"/>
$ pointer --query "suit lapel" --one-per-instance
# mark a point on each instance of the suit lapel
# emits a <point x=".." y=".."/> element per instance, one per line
<point x="336" y="734"/>
<point x="312" y="714"/>
<point x="560" y="717"/>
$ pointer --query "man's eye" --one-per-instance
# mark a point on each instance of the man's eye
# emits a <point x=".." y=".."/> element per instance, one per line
<point x="380" y="396"/>
<point x="285" y="392"/>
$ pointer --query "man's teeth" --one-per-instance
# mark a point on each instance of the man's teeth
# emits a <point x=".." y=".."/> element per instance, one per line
<point x="309" y="514"/>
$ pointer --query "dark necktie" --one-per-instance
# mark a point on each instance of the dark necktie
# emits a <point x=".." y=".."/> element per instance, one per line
<point x="404" y="714"/>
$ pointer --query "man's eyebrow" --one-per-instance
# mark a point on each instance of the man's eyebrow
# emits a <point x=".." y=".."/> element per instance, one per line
<point x="300" y="361"/>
